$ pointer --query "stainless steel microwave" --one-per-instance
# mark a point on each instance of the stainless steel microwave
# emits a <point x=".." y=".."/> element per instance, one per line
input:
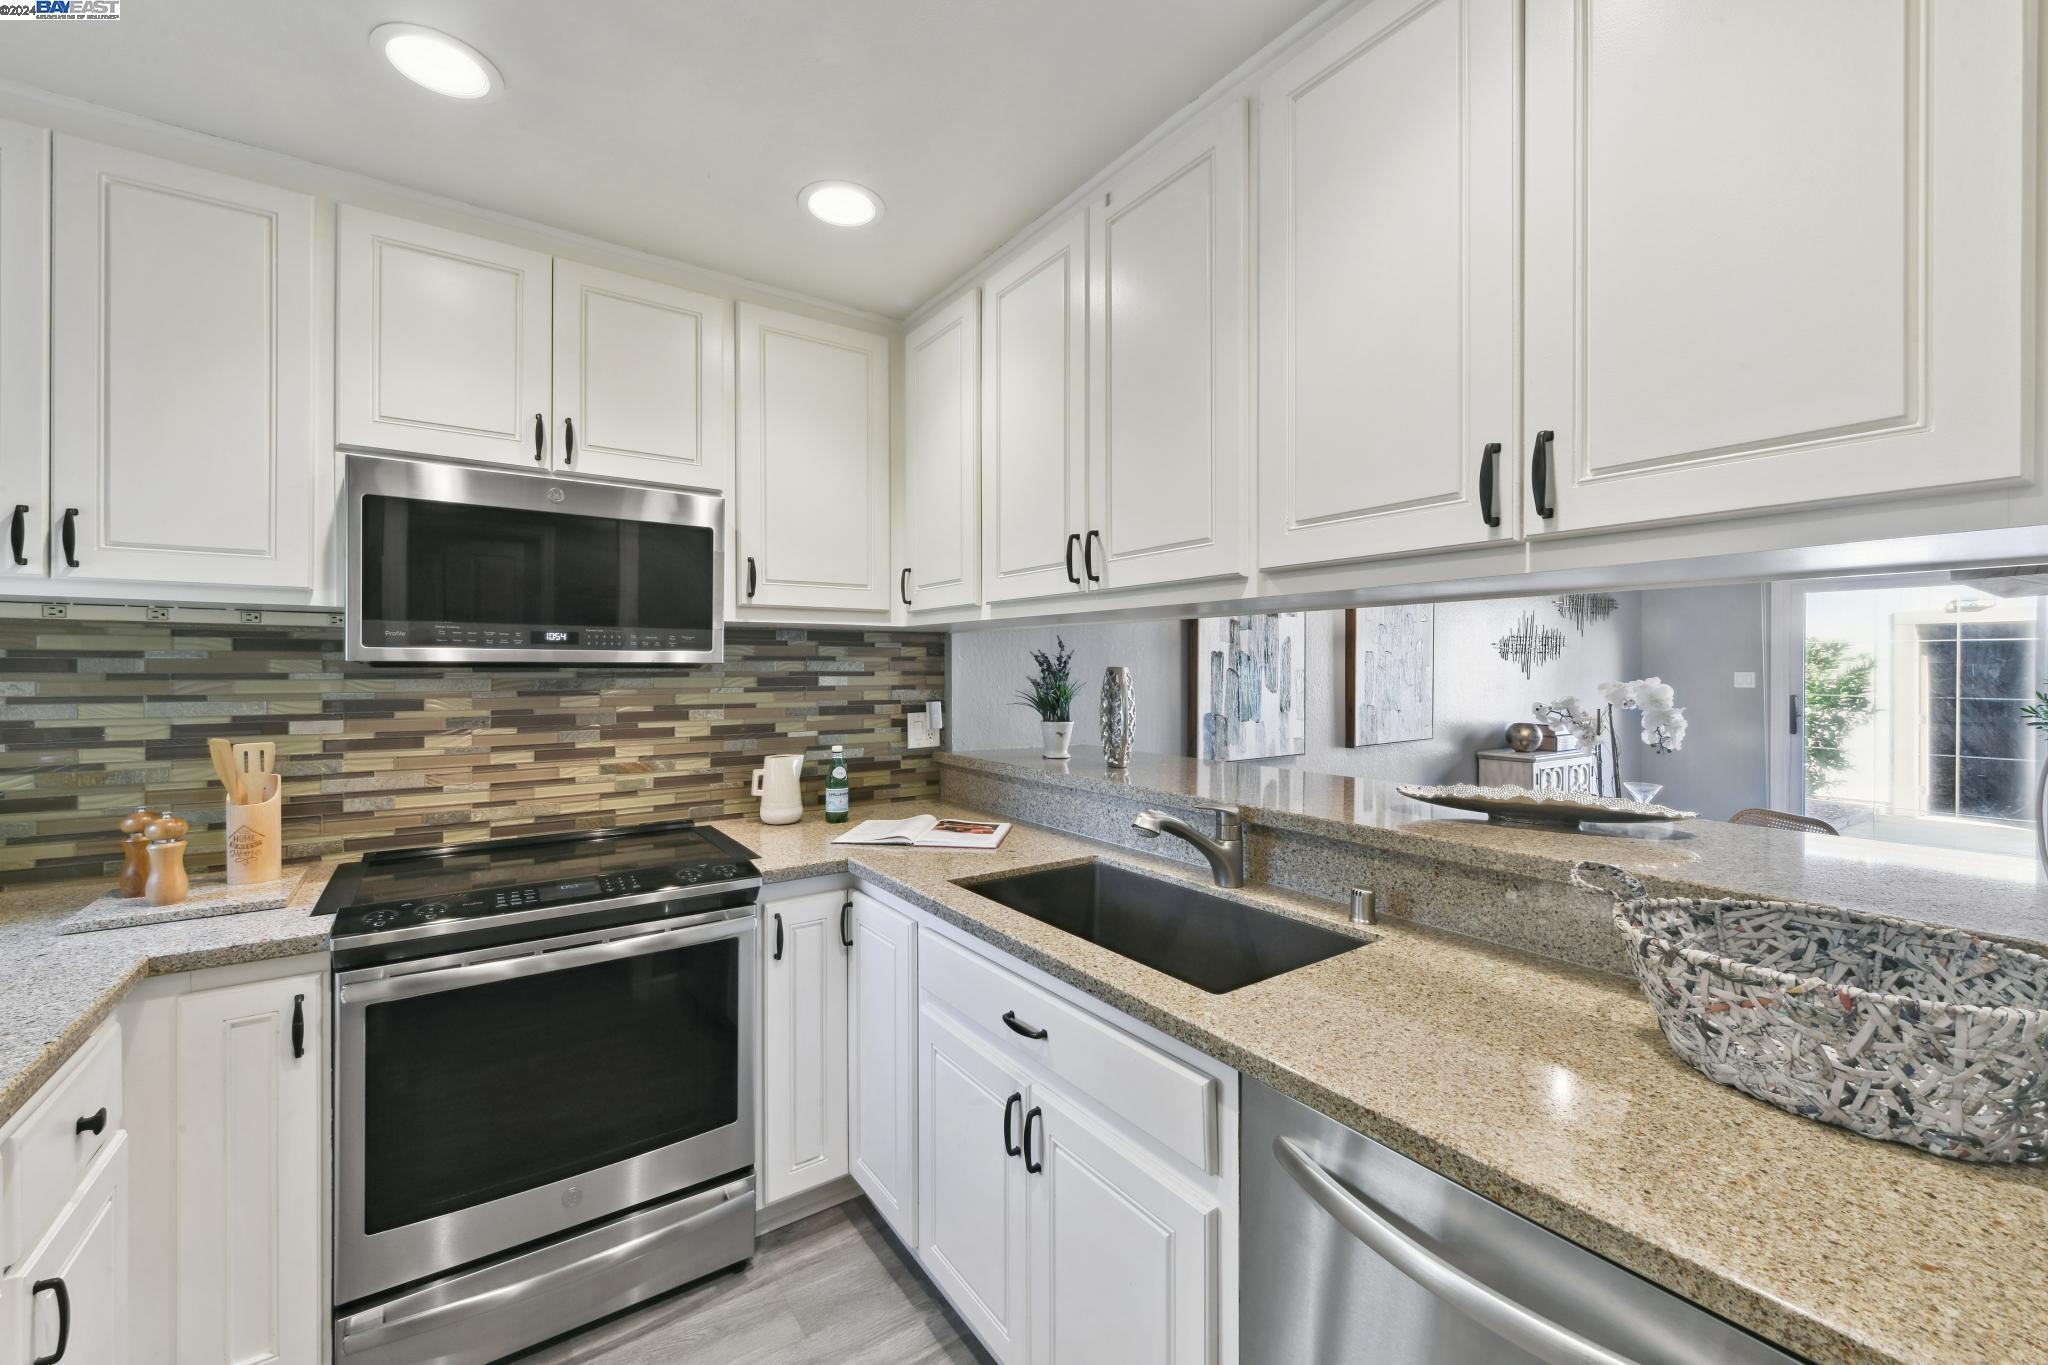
<point x="452" y="563"/>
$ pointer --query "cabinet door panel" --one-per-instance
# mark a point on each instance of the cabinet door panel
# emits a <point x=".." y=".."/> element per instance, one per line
<point x="182" y="382"/>
<point x="249" y="1185"/>
<point x="971" y="1216"/>
<point x="1387" y="165"/>
<point x="1124" y="1257"/>
<point x="942" y="456"/>
<point x="644" y="372"/>
<point x="813" y="463"/>
<point x="803" y="1054"/>
<point x="1812" y="292"/>
<point x="441" y="341"/>
<point x="882" y="1061"/>
<point x="88" y="1250"/>
<point x="1034" y="402"/>
<point x="24" y="347"/>
<point x="1167" y="441"/>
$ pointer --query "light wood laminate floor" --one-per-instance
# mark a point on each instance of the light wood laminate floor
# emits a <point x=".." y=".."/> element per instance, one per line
<point x="832" y="1288"/>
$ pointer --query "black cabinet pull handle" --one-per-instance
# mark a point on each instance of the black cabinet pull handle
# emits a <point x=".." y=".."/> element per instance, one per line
<point x="55" y="1286"/>
<point x="750" y="578"/>
<point x="778" y="938"/>
<point x="568" y="440"/>
<point x="1539" y="474"/>
<point x="1488" y="458"/>
<point x="846" y="923"/>
<point x="1073" y="543"/>
<point x="298" y="1026"/>
<point x="71" y="536"/>
<point x="1036" y="1115"/>
<point x="903" y="586"/>
<point x="1010" y="1107"/>
<point x="17" y="534"/>
<point x="540" y="437"/>
<point x="1019" y="1026"/>
<point x="1088" y="556"/>
<point x="94" y="1124"/>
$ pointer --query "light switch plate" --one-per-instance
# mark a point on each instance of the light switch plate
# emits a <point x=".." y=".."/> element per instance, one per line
<point x="1745" y="680"/>
<point x="921" y="734"/>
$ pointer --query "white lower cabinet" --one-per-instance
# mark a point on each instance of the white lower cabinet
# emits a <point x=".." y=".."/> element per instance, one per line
<point x="803" y="1042"/>
<point x="881" y="1059"/>
<point x="1123" y="1254"/>
<point x="68" y="1298"/>
<point x="972" y="1225"/>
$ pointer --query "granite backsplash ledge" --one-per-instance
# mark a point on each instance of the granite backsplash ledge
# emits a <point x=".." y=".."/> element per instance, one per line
<point x="1322" y="834"/>
<point x="96" y="719"/>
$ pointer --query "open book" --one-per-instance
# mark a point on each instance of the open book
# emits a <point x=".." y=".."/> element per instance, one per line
<point x="927" y="831"/>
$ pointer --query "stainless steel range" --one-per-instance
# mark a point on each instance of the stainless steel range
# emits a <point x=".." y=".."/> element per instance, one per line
<point x="544" y="1085"/>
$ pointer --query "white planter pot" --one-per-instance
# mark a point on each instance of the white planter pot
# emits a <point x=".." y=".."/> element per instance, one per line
<point x="1054" y="737"/>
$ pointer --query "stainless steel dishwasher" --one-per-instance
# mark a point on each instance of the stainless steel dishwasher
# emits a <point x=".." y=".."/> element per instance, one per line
<point x="1355" y="1255"/>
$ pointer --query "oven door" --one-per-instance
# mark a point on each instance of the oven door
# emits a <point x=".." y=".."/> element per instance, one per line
<point x="490" y="1099"/>
<point x="451" y="563"/>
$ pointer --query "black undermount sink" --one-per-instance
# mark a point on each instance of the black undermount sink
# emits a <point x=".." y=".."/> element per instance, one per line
<point x="1216" y="944"/>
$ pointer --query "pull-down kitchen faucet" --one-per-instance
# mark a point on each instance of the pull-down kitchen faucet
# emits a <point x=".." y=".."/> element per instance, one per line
<point x="1225" y="852"/>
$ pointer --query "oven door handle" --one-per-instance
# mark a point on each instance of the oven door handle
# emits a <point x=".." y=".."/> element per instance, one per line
<point x="532" y="964"/>
<point x="361" y="1341"/>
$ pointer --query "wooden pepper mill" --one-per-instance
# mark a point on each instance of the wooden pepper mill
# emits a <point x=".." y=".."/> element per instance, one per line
<point x="168" y="882"/>
<point x="135" y="850"/>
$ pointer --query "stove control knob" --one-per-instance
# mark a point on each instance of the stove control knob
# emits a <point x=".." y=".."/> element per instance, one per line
<point x="379" y="919"/>
<point x="725" y="870"/>
<point x="689" y="875"/>
<point x="430" y="910"/>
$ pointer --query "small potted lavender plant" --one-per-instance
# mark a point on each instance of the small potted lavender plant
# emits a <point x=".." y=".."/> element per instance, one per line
<point x="1051" y="694"/>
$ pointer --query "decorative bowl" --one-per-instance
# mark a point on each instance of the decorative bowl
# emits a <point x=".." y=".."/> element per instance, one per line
<point x="1549" y="810"/>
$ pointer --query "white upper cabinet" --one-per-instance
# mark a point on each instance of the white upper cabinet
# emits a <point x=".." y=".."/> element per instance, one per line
<point x="942" y="458"/>
<point x="182" y="375"/>
<point x="24" y="353"/>
<point x="1775" y="254"/>
<point x="643" y="379"/>
<point x="813" y="463"/>
<point x="441" y="340"/>
<point x="1034" y="414"/>
<point x="1167" y="462"/>
<point x="1386" y="279"/>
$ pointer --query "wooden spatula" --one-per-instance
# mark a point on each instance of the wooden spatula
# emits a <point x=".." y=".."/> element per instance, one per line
<point x="252" y="761"/>
<point x="222" y="752"/>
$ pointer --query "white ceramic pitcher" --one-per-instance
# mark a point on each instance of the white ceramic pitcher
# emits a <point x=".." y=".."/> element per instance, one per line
<point x="775" y="782"/>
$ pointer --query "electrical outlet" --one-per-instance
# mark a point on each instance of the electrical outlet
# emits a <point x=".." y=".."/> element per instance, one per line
<point x="921" y="735"/>
<point x="249" y="617"/>
<point x="56" y="611"/>
<point x="1745" y="680"/>
<point x="156" y="613"/>
<point x="335" y="618"/>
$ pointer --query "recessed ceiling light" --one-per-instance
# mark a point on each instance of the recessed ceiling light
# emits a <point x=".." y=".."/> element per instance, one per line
<point x="444" y="65"/>
<point x="841" y="203"/>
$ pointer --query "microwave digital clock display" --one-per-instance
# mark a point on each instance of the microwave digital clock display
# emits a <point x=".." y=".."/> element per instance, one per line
<point x="555" y="637"/>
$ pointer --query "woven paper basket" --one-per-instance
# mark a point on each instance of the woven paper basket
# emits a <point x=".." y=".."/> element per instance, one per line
<point x="1931" y="1037"/>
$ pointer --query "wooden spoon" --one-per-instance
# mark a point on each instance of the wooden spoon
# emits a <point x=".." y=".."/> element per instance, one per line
<point x="223" y="755"/>
<point x="252" y="761"/>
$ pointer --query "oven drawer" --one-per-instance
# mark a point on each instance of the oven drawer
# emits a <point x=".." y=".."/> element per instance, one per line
<point x="1169" y="1102"/>
<point x="77" y="1115"/>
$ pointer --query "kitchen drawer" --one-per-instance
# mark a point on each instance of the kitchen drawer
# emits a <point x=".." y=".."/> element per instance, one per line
<point x="45" y="1155"/>
<point x="1171" y="1103"/>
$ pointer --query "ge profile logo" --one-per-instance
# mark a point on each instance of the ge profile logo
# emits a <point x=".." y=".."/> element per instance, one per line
<point x="556" y="495"/>
<point x="63" y="9"/>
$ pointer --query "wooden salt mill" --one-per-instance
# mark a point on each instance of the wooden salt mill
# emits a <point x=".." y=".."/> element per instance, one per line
<point x="168" y="882"/>
<point x="135" y="850"/>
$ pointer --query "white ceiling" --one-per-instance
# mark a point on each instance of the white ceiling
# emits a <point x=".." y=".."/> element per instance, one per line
<point x="686" y="128"/>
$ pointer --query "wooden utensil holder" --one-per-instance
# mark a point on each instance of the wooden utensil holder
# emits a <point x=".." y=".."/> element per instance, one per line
<point x="255" y="842"/>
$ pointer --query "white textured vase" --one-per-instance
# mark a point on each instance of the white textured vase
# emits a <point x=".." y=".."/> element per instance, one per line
<point x="1054" y="737"/>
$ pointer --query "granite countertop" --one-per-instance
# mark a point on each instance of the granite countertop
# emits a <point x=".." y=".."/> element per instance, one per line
<point x="1544" y="1087"/>
<point x="2000" y="896"/>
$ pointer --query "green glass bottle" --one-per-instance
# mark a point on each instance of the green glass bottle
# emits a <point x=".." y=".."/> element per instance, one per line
<point x="836" y="794"/>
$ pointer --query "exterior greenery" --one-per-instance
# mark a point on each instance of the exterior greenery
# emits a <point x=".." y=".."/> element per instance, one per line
<point x="1837" y="702"/>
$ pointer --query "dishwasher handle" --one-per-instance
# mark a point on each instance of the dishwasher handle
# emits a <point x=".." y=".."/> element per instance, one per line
<point x="1512" y="1322"/>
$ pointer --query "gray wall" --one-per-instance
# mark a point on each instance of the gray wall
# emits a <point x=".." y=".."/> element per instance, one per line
<point x="1697" y="639"/>
<point x="985" y="669"/>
